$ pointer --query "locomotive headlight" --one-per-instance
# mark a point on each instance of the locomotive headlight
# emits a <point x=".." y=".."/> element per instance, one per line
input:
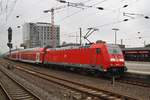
<point x="112" y="59"/>
<point x="121" y="60"/>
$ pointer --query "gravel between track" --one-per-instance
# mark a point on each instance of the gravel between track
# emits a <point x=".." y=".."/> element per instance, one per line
<point x="140" y="93"/>
<point x="58" y="92"/>
<point x="137" y="92"/>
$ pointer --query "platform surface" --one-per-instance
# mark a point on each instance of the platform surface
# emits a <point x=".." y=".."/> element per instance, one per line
<point x="138" y="67"/>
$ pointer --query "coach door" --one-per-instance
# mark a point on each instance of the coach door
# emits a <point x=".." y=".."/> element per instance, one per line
<point x="38" y="57"/>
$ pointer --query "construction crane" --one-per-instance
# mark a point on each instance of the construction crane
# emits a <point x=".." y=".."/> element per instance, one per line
<point x="53" y="35"/>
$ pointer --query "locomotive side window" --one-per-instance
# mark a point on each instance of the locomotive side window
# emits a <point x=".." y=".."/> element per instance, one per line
<point x="98" y="50"/>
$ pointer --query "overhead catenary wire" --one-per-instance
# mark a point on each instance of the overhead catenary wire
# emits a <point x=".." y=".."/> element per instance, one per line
<point x="10" y="12"/>
<point x="116" y="22"/>
<point x="112" y="23"/>
<point x="9" y="7"/>
<point x="6" y="9"/>
<point x="107" y="24"/>
<point x="92" y="6"/>
<point x="103" y="25"/>
<point x="80" y="11"/>
<point x="3" y="9"/>
<point x="99" y="2"/>
<point x="87" y="1"/>
<point x="1" y="5"/>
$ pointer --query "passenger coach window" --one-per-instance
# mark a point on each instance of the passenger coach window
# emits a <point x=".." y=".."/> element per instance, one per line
<point x="98" y="50"/>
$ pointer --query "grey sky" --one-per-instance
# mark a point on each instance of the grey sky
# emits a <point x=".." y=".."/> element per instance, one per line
<point x="32" y="11"/>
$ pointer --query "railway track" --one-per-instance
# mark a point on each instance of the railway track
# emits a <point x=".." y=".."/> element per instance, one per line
<point x="13" y="89"/>
<point x="82" y="88"/>
<point x="3" y="95"/>
<point x="134" y="82"/>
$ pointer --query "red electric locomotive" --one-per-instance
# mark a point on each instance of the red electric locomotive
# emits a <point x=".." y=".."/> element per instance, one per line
<point x="97" y="56"/>
<point x="100" y="56"/>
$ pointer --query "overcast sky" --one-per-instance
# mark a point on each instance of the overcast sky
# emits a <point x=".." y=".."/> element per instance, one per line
<point x="71" y="18"/>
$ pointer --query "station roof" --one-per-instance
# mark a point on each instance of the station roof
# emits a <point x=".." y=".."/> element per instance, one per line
<point x="136" y="48"/>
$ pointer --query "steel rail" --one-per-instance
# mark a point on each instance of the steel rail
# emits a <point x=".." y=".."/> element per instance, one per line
<point x="24" y="92"/>
<point x="138" y="83"/>
<point x="3" y="88"/>
<point x="93" y="91"/>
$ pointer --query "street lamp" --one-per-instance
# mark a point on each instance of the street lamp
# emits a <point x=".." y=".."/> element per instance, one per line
<point x="115" y="29"/>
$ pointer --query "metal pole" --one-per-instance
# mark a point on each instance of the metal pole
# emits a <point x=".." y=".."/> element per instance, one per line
<point x="113" y="80"/>
<point x="53" y="30"/>
<point x="115" y="37"/>
<point x="144" y="43"/>
<point x="115" y="29"/>
<point x="10" y="51"/>
<point x="76" y="38"/>
<point x="121" y="41"/>
<point x="42" y="41"/>
<point x="80" y="36"/>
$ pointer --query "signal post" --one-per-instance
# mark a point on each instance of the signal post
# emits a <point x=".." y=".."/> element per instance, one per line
<point x="9" y="44"/>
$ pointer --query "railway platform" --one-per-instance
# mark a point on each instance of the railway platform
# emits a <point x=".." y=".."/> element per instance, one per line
<point x="138" y="69"/>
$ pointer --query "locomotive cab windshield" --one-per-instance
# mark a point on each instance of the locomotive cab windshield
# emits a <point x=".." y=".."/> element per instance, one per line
<point x="117" y="63"/>
<point x="114" y="49"/>
<point x="116" y="56"/>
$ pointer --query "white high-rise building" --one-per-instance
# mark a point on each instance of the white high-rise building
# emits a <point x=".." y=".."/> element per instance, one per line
<point x="39" y="34"/>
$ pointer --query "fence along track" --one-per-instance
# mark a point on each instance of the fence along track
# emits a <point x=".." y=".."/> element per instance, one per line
<point x="13" y="89"/>
<point x="92" y="91"/>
